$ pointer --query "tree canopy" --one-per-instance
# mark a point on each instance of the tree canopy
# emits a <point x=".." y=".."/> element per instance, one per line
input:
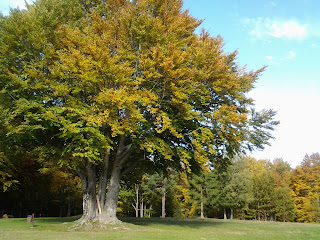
<point x="102" y="86"/>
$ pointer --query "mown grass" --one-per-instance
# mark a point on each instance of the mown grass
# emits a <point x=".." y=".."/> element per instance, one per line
<point x="156" y="228"/>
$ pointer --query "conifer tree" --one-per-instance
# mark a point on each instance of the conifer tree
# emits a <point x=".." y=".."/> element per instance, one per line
<point x="238" y="190"/>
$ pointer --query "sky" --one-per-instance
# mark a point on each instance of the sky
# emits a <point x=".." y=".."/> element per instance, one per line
<point x="283" y="35"/>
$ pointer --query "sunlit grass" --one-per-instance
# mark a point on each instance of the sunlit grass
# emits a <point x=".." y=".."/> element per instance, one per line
<point x="156" y="228"/>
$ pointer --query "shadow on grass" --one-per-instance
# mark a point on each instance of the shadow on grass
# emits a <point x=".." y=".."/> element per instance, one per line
<point x="196" y="223"/>
<point x="186" y="223"/>
<point x="57" y="219"/>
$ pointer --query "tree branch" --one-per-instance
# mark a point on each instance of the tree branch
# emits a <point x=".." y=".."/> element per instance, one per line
<point x="130" y="167"/>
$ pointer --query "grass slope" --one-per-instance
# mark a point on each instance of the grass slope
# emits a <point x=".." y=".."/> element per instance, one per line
<point x="155" y="228"/>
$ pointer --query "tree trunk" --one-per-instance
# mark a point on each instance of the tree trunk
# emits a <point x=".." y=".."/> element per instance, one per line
<point x="201" y="205"/>
<point x="61" y="202"/>
<point x="69" y="209"/>
<point x="109" y="202"/>
<point x="103" y="180"/>
<point x="224" y="213"/>
<point x="137" y="199"/>
<point x="163" y="212"/>
<point x="88" y="185"/>
<point x="109" y="211"/>
<point x="141" y="208"/>
<point x="150" y="209"/>
<point x="231" y="213"/>
<point x="68" y="204"/>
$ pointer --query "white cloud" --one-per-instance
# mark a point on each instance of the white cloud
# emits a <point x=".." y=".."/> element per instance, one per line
<point x="17" y="3"/>
<point x="263" y="28"/>
<point x="5" y="5"/>
<point x="272" y="4"/>
<point x="290" y="56"/>
<point x="289" y="30"/>
<point x="276" y="61"/>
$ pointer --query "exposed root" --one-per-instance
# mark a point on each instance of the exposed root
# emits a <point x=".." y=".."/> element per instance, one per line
<point x="83" y="224"/>
<point x="109" y="221"/>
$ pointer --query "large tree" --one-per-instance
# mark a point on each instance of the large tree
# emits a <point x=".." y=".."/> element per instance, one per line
<point x="108" y="85"/>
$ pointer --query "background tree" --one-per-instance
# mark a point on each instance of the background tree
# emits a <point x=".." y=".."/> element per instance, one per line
<point x="263" y="188"/>
<point x="151" y="188"/>
<point x="216" y="182"/>
<point x="198" y="191"/>
<point x="284" y="203"/>
<point x="305" y="185"/>
<point x="115" y="84"/>
<point x="183" y="204"/>
<point x="238" y="189"/>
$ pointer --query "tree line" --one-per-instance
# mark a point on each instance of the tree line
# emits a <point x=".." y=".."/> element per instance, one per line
<point x="247" y="189"/>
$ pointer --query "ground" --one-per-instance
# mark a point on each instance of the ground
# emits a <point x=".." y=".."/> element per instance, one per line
<point x="156" y="228"/>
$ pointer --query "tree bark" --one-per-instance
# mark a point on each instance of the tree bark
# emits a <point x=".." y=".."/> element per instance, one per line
<point x="69" y="209"/>
<point x="141" y="209"/>
<point x="108" y="200"/>
<point x="61" y="202"/>
<point x="136" y="187"/>
<point x="109" y="211"/>
<point x="231" y="213"/>
<point x="201" y="204"/>
<point x="88" y="185"/>
<point x="224" y="213"/>
<point x="163" y="207"/>
<point x="103" y="180"/>
<point x="150" y="209"/>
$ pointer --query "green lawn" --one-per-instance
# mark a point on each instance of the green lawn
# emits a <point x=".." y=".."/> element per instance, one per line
<point x="156" y="228"/>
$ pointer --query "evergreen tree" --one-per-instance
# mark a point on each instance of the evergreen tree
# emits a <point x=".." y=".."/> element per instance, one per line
<point x="198" y="186"/>
<point x="238" y="189"/>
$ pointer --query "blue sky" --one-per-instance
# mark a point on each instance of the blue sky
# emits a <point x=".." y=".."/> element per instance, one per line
<point x="283" y="35"/>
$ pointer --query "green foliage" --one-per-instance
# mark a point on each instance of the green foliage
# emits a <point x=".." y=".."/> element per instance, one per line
<point x="238" y="191"/>
<point x="6" y="167"/>
<point x="284" y="203"/>
<point x="89" y="72"/>
<point x="198" y="186"/>
<point x="99" y="87"/>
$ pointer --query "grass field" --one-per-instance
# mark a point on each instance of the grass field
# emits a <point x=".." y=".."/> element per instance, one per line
<point x="156" y="228"/>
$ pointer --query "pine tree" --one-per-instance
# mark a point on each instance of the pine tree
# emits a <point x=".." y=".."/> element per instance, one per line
<point x="239" y="186"/>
